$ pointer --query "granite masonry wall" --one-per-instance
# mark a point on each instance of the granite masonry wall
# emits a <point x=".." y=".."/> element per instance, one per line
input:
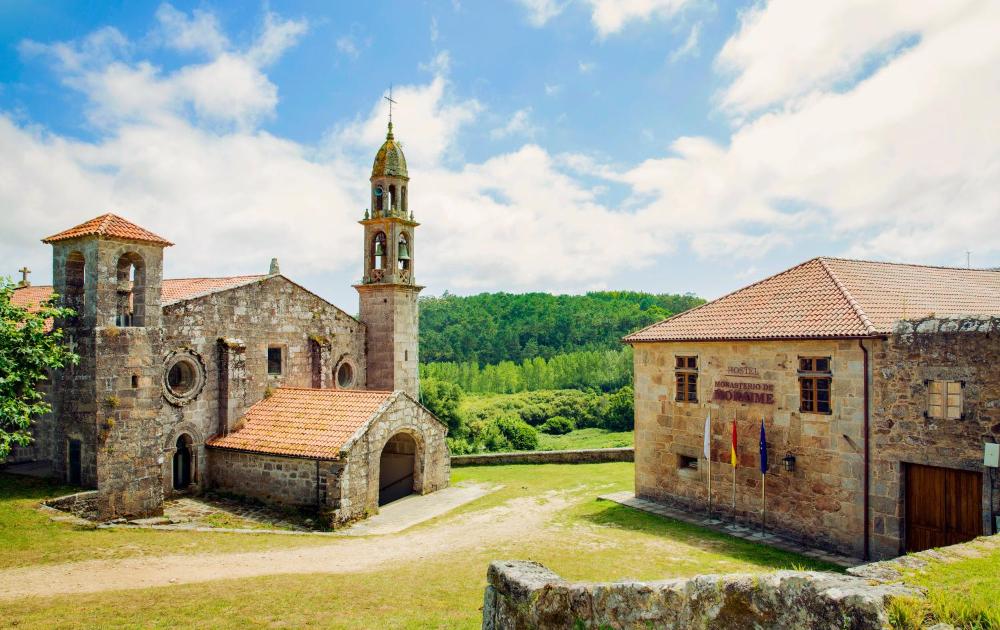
<point x="228" y="333"/>
<point x="527" y="595"/>
<point x="391" y="313"/>
<point x="820" y="502"/>
<point x="357" y="495"/>
<point x="919" y="351"/>
<point x="276" y="480"/>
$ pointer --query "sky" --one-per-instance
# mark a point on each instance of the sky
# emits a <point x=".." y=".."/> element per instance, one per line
<point x="553" y="145"/>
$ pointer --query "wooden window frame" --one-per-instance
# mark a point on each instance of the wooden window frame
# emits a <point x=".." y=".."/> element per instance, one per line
<point x="281" y="360"/>
<point x="686" y="378"/>
<point x="814" y="373"/>
<point x="943" y="404"/>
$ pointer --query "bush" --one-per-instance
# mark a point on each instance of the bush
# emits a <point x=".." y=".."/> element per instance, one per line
<point x="519" y="434"/>
<point x="557" y="425"/>
<point x="443" y="400"/>
<point x="620" y="412"/>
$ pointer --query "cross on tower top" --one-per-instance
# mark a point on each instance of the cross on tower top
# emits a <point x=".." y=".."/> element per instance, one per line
<point x="24" y="271"/>
<point x="391" y="103"/>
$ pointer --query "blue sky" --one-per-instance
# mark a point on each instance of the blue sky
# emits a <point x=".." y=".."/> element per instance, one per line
<point x="662" y="145"/>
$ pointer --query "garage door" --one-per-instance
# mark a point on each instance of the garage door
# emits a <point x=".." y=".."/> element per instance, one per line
<point x="943" y="506"/>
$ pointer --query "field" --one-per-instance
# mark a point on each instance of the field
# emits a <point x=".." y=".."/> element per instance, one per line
<point x="585" y="438"/>
<point x="430" y="576"/>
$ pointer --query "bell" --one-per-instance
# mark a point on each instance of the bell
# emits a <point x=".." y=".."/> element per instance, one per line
<point x="404" y="251"/>
<point x="378" y="249"/>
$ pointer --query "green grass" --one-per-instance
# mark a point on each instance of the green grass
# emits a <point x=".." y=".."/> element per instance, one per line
<point x="28" y="537"/>
<point x="585" y="438"/>
<point x="964" y="593"/>
<point x="586" y="539"/>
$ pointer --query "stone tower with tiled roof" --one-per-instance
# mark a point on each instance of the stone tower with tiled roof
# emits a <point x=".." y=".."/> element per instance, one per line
<point x="109" y="270"/>
<point x="388" y="291"/>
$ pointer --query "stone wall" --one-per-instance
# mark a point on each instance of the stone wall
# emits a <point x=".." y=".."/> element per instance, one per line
<point x="357" y="495"/>
<point x="229" y="332"/>
<point x="527" y="595"/>
<point x="579" y="456"/>
<point x="966" y="350"/>
<point x="276" y="480"/>
<point x="821" y="501"/>
<point x="82" y="504"/>
<point x="391" y="316"/>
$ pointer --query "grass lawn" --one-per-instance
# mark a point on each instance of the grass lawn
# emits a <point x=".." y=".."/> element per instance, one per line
<point x="585" y="438"/>
<point x="964" y="593"/>
<point x="582" y="539"/>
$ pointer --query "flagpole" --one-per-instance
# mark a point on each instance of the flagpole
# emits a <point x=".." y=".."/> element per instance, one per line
<point x="733" y="462"/>
<point x="709" y="487"/>
<point x="763" y="504"/>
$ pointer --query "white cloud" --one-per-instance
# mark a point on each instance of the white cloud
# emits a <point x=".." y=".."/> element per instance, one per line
<point x="690" y="46"/>
<point x="786" y="48"/>
<point x="611" y="16"/>
<point x="551" y="89"/>
<point x="586" y="67"/>
<point x="346" y="45"/>
<point x="199" y="32"/>
<point x="519" y="125"/>
<point x="541" y="11"/>
<point x="434" y="30"/>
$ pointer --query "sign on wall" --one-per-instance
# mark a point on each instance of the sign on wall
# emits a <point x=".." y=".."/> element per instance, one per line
<point x="741" y="385"/>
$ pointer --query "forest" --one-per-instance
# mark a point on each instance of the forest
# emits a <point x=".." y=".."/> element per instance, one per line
<point x="516" y="371"/>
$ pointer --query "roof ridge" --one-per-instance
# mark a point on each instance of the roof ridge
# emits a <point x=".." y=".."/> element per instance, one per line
<point x="105" y="220"/>
<point x="860" y="312"/>
<point x="719" y="299"/>
<point x="904" y="264"/>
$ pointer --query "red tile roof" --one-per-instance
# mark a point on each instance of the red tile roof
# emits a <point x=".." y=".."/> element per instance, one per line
<point x="833" y="297"/>
<point x="172" y="291"/>
<point x="109" y="225"/>
<point x="312" y="423"/>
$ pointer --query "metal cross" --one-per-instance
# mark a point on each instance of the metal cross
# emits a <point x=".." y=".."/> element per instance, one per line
<point x="391" y="103"/>
<point x="24" y="271"/>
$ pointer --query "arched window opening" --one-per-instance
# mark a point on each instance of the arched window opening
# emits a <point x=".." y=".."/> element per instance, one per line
<point x="183" y="460"/>
<point x="378" y="251"/>
<point x="345" y="375"/>
<point x="76" y="272"/>
<point x="397" y="467"/>
<point x="393" y="200"/>
<point x="131" y="308"/>
<point x="403" y="253"/>
<point x="404" y="206"/>
<point x="378" y="201"/>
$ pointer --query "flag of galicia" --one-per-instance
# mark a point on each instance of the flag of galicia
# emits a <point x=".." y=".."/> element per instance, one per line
<point x="763" y="448"/>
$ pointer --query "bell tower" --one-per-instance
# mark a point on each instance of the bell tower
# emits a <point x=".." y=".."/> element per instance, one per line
<point x="388" y="292"/>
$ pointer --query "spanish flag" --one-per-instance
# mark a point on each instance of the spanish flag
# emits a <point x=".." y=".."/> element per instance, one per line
<point x="732" y="449"/>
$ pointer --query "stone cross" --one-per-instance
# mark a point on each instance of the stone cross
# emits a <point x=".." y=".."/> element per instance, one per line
<point x="24" y="271"/>
<point x="391" y="103"/>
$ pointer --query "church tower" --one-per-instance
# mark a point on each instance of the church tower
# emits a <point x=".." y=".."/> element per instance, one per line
<point x="388" y="293"/>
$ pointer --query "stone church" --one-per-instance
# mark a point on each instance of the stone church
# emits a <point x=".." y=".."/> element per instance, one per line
<point x="249" y="384"/>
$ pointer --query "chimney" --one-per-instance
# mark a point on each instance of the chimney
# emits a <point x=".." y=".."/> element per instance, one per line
<point x="274" y="267"/>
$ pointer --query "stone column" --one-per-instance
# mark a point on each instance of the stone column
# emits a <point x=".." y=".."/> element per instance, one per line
<point x="232" y="382"/>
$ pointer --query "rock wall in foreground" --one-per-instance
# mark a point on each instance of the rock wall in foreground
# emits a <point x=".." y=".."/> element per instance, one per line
<point x="527" y="595"/>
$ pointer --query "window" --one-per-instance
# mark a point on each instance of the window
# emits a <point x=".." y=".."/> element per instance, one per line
<point x="274" y="360"/>
<point x="685" y="462"/>
<point x="944" y="400"/>
<point x="183" y="377"/>
<point x="814" y="384"/>
<point x="345" y="375"/>
<point x="686" y="371"/>
<point x="131" y="276"/>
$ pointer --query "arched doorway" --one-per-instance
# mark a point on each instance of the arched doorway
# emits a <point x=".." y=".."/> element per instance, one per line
<point x="396" y="468"/>
<point x="182" y="463"/>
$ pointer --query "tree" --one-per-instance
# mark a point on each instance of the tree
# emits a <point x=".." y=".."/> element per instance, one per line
<point x="28" y="352"/>
<point x="443" y="399"/>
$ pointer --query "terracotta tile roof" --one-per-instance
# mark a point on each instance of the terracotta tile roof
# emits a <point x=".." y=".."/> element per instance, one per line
<point x="187" y="288"/>
<point x="31" y="298"/>
<point x="312" y="423"/>
<point x="109" y="225"/>
<point x="833" y="297"/>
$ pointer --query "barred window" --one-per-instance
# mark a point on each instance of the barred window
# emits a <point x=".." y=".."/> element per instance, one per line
<point x="686" y="374"/>
<point x="944" y="400"/>
<point x="815" y="380"/>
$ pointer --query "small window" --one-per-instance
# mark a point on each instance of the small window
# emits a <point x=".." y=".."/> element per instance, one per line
<point x="135" y="381"/>
<point x="815" y="379"/>
<point x="274" y="360"/>
<point x="181" y="378"/>
<point x="944" y="400"/>
<point x="684" y="462"/>
<point x="686" y="373"/>
<point x="345" y="375"/>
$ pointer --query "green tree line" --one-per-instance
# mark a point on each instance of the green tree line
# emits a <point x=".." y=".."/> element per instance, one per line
<point x="605" y="370"/>
<point x="494" y="327"/>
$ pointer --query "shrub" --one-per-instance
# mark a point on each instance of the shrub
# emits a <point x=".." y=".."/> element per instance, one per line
<point x="557" y="425"/>
<point x="519" y="434"/>
<point x="443" y="400"/>
<point x="620" y="412"/>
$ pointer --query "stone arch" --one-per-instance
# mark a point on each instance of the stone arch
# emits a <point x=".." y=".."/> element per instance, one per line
<point x="187" y="435"/>
<point x="400" y="465"/>
<point x="379" y="243"/>
<point x="404" y="246"/>
<point x="131" y="288"/>
<point x="75" y="293"/>
<point x="183" y="463"/>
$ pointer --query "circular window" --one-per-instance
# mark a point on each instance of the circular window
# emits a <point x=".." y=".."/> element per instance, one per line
<point x="183" y="377"/>
<point x="345" y="375"/>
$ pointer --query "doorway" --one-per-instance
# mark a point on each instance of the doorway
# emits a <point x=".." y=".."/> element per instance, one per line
<point x="943" y="506"/>
<point x="182" y="463"/>
<point x="396" y="468"/>
<point x="75" y="463"/>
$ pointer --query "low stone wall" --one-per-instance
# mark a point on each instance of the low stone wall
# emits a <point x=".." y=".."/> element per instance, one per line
<point x="581" y="456"/>
<point x="82" y="504"/>
<point x="527" y="595"/>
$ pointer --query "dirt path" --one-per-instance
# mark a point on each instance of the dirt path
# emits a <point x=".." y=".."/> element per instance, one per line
<point x="514" y="519"/>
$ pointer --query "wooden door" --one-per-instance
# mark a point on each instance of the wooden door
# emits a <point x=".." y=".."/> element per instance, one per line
<point x="943" y="506"/>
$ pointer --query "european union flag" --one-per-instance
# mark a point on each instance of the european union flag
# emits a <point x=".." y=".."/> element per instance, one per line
<point x="763" y="448"/>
